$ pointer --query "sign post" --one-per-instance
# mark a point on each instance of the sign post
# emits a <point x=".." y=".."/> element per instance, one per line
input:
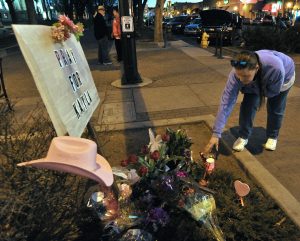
<point x="130" y="75"/>
<point x="3" y="93"/>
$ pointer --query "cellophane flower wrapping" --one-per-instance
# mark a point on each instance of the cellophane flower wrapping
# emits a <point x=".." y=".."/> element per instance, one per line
<point x="136" y="235"/>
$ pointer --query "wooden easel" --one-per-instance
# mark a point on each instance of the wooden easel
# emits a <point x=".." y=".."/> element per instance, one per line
<point x="92" y="133"/>
<point x="3" y="93"/>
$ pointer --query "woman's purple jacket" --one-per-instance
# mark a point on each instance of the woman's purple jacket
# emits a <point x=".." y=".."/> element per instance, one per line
<point x="276" y="70"/>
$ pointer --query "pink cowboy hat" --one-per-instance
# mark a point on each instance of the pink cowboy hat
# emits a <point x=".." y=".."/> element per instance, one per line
<point x="75" y="155"/>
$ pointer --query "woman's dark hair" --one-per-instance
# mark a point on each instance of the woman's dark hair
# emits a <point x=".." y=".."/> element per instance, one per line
<point x="251" y="60"/>
<point x="245" y="59"/>
<point x="116" y="8"/>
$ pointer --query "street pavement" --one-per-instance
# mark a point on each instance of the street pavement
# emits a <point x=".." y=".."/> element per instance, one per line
<point x="187" y="82"/>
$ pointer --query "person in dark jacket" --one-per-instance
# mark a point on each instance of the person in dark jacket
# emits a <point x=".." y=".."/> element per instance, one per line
<point x="101" y="34"/>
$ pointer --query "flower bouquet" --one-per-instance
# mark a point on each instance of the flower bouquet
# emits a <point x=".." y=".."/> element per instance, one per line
<point x="158" y="181"/>
<point x="163" y="154"/>
<point x="62" y="30"/>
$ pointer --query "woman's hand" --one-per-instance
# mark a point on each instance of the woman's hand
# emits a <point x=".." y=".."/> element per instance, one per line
<point x="214" y="141"/>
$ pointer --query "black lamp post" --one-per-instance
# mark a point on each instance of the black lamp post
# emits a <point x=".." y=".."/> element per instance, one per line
<point x="130" y="74"/>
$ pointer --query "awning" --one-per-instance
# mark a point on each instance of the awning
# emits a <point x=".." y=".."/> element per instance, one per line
<point x="258" y="6"/>
<point x="251" y="1"/>
<point x="248" y="1"/>
<point x="267" y="7"/>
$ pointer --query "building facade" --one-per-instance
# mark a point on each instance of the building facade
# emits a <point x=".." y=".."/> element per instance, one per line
<point x="187" y="8"/>
<point x="246" y="8"/>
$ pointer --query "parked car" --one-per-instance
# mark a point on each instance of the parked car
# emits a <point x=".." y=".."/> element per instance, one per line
<point x="5" y="17"/>
<point x="193" y="28"/>
<point x="257" y="21"/>
<point x="246" y="21"/>
<point x="166" y="20"/>
<point x="217" y="20"/>
<point x="149" y="21"/>
<point x="268" y="20"/>
<point x="177" y="24"/>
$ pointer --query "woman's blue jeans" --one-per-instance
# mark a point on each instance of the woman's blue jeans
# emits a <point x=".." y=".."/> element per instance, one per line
<point x="275" y="110"/>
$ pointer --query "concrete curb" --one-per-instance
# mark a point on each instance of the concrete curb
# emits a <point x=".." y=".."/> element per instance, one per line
<point x="118" y="84"/>
<point x="250" y="165"/>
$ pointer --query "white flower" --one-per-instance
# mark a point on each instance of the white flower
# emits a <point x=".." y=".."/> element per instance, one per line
<point x="155" y="142"/>
<point x="132" y="176"/>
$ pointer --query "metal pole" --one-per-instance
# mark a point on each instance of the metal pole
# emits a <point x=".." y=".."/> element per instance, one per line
<point x="165" y="36"/>
<point x="217" y="44"/>
<point x="130" y="74"/>
<point x="2" y="87"/>
<point x="221" y="44"/>
<point x="93" y="135"/>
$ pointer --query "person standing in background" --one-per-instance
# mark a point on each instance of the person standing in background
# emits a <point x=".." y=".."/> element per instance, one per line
<point x="101" y="35"/>
<point x="116" y="33"/>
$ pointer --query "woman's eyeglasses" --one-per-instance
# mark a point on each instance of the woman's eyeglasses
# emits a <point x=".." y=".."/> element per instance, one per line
<point x="241" y="64"/>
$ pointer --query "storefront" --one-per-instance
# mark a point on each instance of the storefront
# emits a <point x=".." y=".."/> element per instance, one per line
<point x="262" y="8"/>
<point x="246" y="9"/>
<point x="272" y="8"/>
<point x="241" y="7"/>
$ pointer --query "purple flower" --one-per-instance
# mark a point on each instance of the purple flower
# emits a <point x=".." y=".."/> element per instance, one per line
<point x="158" y="215"/>
<point x="148" y="197"/>
<point x="167" y="183"/>
<point x="181" y="174"/>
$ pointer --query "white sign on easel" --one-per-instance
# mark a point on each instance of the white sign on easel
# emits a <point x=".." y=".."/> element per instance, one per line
<point x="127" y="24"/>
<point x="62" y="76"/>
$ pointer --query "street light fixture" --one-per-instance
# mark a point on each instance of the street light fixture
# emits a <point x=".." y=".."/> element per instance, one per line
<point x="289" y="5"/>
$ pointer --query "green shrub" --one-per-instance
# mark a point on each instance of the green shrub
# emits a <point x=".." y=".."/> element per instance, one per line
<point x="291" y="40"/>
<point x="268" y="37"/>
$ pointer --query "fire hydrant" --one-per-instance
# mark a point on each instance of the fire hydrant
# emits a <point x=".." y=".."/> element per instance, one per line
<point x="204" y="40"/>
